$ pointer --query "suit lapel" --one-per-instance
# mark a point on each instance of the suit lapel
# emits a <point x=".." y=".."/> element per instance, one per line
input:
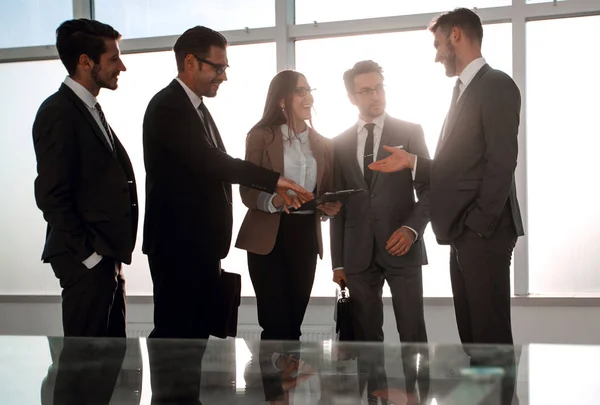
<point x="275" y="150"/>
<point x="196" y="117"/>
<point x="454" y="114"/>
<point x="319" y="154"/>
<point x="87" y="115"/>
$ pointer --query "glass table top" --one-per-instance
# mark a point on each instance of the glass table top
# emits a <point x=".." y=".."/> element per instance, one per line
<point x="54" y="370"/>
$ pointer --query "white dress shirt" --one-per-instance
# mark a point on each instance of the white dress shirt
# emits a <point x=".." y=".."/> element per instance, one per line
<point x="196" y="101"/>
<point x="299" y="165"/>
<point x="90" y="102"/>
<point x="468" y="73"/>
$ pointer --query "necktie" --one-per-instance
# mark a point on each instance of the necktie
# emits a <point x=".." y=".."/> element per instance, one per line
<point x="368" y="154"/>
<point x="455" y="94"/>
<point x="204" y="117"/>
<point x="111" y="140"/>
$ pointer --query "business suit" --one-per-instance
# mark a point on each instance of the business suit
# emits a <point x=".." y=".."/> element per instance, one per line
<point x="188" y="223"/>
<point x="88" y="196"/>
<point x="360" y="232"/>
<point x="282" y="248"/>
<point x="474" y="209"/>
<point x="474" y="205"/>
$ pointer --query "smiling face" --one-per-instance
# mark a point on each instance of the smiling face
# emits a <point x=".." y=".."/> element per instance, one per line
<point x="209" y="74"/>
<point x="302" y="101"/>
<point x="105" y="74"/>
<point x="445" y="50"/>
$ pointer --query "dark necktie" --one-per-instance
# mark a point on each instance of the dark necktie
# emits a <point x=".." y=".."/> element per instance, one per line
<point x="111" y="140"/>
<point x="204" y="117"/>
<point x="368" y="154"/>
<point x="455" y="94"/>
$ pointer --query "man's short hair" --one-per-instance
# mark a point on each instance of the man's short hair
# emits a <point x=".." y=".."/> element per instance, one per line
<point x="82" y="37"/>
<point x="463" y="18"/>
<point x="362" y="67"/>
<point x="197" y="41"/>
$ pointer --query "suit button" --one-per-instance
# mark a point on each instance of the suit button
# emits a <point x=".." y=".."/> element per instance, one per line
<point x="373" y="195"/>
<point x="134" y="205"/>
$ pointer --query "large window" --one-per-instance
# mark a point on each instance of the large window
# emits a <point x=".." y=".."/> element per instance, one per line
<point x="562" y="152"/>
<point x="236" y="108"/>
<point x="24" y="86"/>
<point x="144" y="18"/>
<point x="417" y="90"/>
<point x="308" y="11"/>
<point x="555" y="66"/>
<point x="32" y="22"/>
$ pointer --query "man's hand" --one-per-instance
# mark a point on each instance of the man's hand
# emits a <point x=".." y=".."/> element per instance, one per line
<point x="338" y="276"/>
<point x="302" y="195"/>
<point x="398" y="160"/>
<point x="400" y="242"/>
<point x="331" y="209"/>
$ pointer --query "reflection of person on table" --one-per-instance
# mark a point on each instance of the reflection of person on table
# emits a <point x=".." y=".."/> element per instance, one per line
<point x="283" y="248"/>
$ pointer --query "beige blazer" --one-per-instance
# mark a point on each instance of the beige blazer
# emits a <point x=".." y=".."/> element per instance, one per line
<point x="264" y="147"/>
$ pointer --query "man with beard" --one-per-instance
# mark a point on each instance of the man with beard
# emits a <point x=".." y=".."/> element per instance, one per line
<point x="85" y="185"/>
<point x="188" y="222"/>
<point x="474" y="206"/>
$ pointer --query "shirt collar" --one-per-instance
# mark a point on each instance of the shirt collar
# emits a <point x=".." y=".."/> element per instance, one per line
<point x="196" y="101"/>
<point x="379" y="121"/>
<point x="471" y="70"/>
<point x="81" y="92"/>
<point x="286" y="131"/>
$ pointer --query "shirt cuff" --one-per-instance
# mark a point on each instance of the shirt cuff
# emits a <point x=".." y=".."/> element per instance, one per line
<point x="338" y="268"/>
<point x="92" y="261"/>
<point x="415" y="232"/>
<point x="414" y="170"/>
<point x="265" y="202"/>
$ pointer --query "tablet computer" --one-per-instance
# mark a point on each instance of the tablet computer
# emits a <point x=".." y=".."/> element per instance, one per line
<point x="331" y="196"/>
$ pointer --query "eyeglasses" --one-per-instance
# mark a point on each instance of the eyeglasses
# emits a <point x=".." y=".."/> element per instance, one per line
<point x="303" y="91"/>
<point x="368" y="92"/>
<point x="219" y="68"/>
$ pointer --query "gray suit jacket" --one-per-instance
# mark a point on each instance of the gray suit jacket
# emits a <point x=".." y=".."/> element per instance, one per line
<point x="388" y="203"/>
<point x="472" y="178"/>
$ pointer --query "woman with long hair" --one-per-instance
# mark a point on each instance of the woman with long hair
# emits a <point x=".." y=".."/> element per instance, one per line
<point x="283" y="248"/>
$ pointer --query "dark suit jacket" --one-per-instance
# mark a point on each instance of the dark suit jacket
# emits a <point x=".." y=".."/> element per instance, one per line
<point x="472" y="177"/>
<point x="87" y="193"/>
<point x="188" y="180"/>
<point x="386" y="205"/>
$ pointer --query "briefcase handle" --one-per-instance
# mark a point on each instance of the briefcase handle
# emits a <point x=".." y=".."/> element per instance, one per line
<point x="343" y="288"/>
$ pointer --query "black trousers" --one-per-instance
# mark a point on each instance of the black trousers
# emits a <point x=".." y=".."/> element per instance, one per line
<point x="183" y="285"/>
<point x="282" y="282"/>
<point x="406" y="286"/>
<point x="480" y="275"/>
<point x="93" y="300"/>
